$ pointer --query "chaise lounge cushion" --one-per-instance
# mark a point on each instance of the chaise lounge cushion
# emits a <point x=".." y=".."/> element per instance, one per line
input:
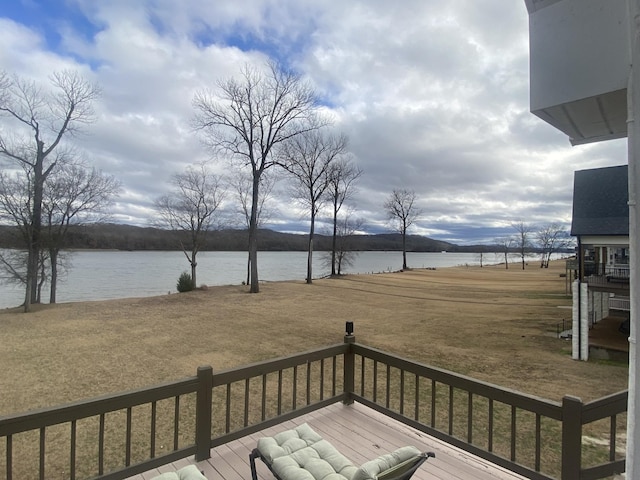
<point x="373" y="468"/>
<point x="190" y="472"/>
<point x="319" y="461"/>
<point x="287" y="442"/>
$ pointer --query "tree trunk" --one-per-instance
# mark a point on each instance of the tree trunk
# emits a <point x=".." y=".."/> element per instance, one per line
<point x="310" y="247"/>
<point x="194" y="264"/>
<point x="53" y="259"/>
<point x="253" y="235"/>
<point x="404" y="248"/>
<point x="334" y="240"/>
<point x="36" y="226"/>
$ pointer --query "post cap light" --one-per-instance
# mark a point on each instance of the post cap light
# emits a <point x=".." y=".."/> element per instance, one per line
<point x="349" y="328"/>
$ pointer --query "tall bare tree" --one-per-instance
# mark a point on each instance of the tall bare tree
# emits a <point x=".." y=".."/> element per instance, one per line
<point x="522" y="240"/>
<point x="402" y="212"/>
<point x="504" y="244"/>
<point x="342" y="179"/>
<point x="39" y="120"/>
<point x="309" y="158"/>
<point x="74" y="194"/>
<point x="249" y="118"/>
<point x="190" y="208"/>
<point x="551" y="238"/>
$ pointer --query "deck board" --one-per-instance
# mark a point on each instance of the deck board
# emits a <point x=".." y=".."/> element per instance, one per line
<point x="358" y="432"/>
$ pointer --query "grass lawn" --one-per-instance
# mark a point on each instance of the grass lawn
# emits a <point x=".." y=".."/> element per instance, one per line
<point x="490" y="323"/>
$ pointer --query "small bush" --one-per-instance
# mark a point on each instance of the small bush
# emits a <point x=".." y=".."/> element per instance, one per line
<point x="185" y="282"/>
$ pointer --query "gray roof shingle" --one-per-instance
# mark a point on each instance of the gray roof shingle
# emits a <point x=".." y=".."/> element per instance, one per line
<point x="600" y="201"/>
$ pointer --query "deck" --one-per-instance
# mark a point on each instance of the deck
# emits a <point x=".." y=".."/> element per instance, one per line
<point x="347" y="427"/>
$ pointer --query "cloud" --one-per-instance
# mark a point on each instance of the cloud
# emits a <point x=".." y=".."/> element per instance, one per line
<point x="434" y="97"/>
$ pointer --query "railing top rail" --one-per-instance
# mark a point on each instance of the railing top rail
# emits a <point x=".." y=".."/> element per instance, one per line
<point x="604" y="407"/>
<point x="525" y="401"/>
<point x="269" y="366"/>
<point x="44" y="417"/>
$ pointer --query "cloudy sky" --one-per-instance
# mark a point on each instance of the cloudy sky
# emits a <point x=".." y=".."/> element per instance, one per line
<point x="434" y="97"/>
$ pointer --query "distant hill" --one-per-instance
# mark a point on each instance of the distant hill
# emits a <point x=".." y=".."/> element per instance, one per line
<point x="128" y="237"/>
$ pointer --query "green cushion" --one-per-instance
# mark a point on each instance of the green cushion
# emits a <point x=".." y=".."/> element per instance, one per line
<point x="377" y="469"/>
<point x="287" y="442"/>
<point x="320" y="461"/>
<point x="190" y="472"/>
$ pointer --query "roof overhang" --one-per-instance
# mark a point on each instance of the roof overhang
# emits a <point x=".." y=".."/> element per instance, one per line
<point x="579" y="64"/>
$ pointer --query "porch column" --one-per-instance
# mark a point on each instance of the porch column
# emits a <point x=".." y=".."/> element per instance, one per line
<point x="633" y="128"/>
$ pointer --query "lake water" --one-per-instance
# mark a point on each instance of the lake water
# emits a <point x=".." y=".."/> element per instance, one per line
<point x="100" y="275"/>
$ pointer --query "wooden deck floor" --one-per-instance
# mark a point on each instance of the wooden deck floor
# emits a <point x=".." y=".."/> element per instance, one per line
<point x="359" y="433"/>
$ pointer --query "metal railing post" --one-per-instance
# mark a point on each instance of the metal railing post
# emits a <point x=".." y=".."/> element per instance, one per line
<point x="571" y="437"/>
<point x="203" y="413"/>
<point x="349" y="365"/>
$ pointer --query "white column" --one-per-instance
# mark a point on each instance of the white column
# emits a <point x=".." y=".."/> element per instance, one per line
<point x="584" y="321"/>
<point x="575" y="320"/>
<point x="633" y="102"/>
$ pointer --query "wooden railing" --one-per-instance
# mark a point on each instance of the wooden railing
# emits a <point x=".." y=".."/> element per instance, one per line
<point x="121" y="435"/>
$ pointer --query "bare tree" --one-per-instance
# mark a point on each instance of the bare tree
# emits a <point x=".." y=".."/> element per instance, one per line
<point x="504" y="244"/>
<point x="254" y="116"/>
<point x="308" y="158"/>
<point x="347" y="227"/>
<point x="241" y="184"/>
<point x="402" y="212"/>
<point x="190" y="208"/>
<point x="551" y="238"/>
<point x="342" y="178"/>
<point x="39" y="120"/>
<point x="522" y="240"/>
<point x="74" y="194"/>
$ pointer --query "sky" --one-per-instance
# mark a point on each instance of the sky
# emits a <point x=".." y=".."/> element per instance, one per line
<point x="433" y="96"/>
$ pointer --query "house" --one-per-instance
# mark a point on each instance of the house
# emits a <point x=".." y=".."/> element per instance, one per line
<point x="601" y="224"/>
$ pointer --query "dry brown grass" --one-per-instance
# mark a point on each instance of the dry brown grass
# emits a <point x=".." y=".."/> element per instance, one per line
<point x="493" y="324"/>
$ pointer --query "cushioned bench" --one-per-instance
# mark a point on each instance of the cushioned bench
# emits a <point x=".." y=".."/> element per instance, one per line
<point x="302" y="454"/>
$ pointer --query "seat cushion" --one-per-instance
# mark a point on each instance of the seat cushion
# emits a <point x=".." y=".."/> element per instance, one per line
<point x="371" y="469"/>
<point x="190" y="472"/>
<point x="319" y="461"/>
<point x="287" y="442"/>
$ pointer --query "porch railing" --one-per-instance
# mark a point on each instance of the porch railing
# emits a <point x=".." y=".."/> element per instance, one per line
<point x="121" y="435"/>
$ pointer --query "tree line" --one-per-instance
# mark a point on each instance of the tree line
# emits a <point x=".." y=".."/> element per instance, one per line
<point x="261" y="127"/>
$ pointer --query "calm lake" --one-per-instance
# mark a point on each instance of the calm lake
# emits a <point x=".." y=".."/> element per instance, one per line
<point x="100" y="275"/>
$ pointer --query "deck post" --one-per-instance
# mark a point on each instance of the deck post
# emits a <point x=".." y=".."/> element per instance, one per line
<point x="203" y="413"/>
<point x="349" y="366"/>
<point x="571" y="437"/>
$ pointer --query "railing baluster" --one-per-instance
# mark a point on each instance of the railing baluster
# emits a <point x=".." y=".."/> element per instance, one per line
<point x="9" y="457"/>
<point x="401" y="392"/>
<point x="490" y="427"/>
<point x="154" y="411"/>
<point x="246" y="402"/>
<point x="322" y="379"/>
<point x="612" y="438"/>
<point x="433" y="403"/>
<point x="470" y="418"/>
<point x="42" y="446"/>
<point x="375" y="381"/>
<point x="334" y="366"/>
<point x="101" y="446"/>
<point x="538" y="441"/>
<point x="176" y="421"/>
<point x="450" y="410"/>
<point x="308" y="383"/>
<point x="127" y="455"/>
<point x="227" y="412"/>
<point x="388" y="386"/>
<point x="362" y="376"/>
<point x="279" y="392"/>
<point x="72" y="452"/>
<point x="513" y="433"/>
<point x="264" y="397"/>
<point x="294" y="400"/>
<point x="416" y="414"/>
